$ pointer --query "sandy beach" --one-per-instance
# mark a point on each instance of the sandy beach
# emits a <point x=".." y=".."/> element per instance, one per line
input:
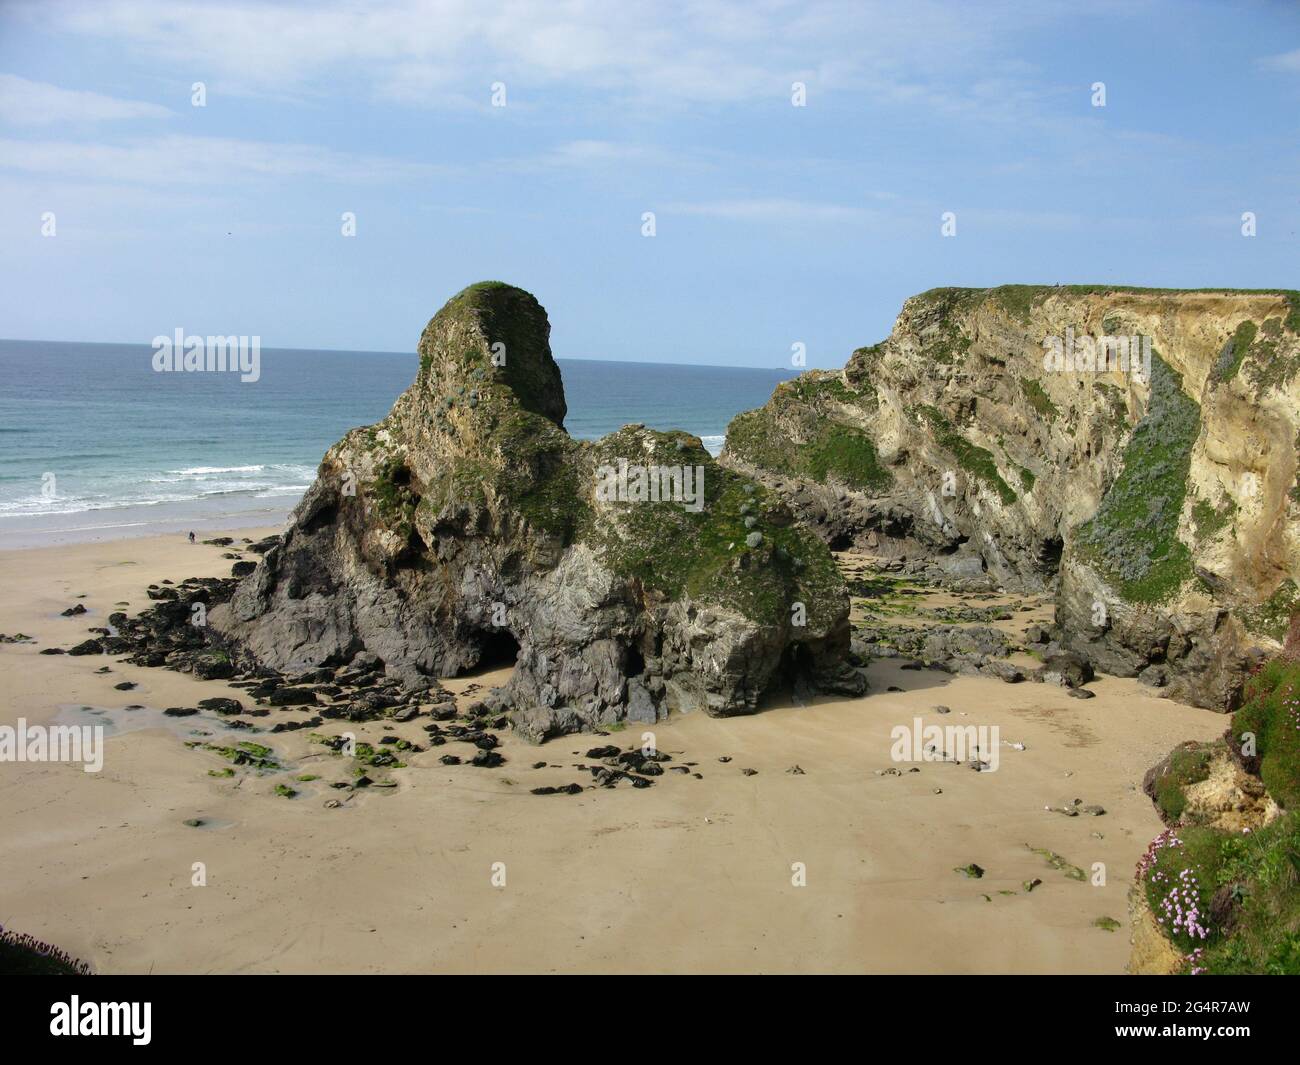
<point x="690" y="875"/>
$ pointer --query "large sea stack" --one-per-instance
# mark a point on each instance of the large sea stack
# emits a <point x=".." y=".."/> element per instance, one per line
<point x="468" y="525"/>
<point x="982" y="443"/>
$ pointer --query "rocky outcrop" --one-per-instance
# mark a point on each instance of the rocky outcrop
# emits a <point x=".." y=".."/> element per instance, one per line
<point x="985" y="438"/>
<point x="467" y="526"/>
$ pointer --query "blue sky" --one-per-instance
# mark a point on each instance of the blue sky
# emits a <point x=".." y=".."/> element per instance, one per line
<point x="775" y="224"/>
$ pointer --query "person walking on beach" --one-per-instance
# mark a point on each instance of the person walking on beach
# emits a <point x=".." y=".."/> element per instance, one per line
<point x="191" y="537"/>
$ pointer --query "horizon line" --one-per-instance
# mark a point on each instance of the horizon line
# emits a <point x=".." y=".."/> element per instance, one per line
<point x="414" y="355"/>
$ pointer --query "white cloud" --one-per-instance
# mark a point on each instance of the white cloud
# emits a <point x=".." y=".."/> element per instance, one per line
<point x="185" y="160"/>
<point x="600" y="155"/>
<point x="35" y="103"/>
<point x="1288" y="62"/>
<point x="441" y="52"/>
<point x="773" y="210"/>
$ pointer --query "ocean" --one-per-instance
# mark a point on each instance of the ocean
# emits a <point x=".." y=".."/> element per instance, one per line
<point x="94" y="444"/>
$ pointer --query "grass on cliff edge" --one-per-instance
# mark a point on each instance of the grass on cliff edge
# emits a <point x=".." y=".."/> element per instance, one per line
<point x="1019" y="300"/>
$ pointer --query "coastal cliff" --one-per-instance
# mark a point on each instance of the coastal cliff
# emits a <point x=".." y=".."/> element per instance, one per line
<point x="1005" y="437"/>
<point x="467" y="526"/>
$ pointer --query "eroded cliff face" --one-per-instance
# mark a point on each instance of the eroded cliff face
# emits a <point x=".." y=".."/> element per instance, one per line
<point x="1161" y="503"/>
<point x="468" y="523"/>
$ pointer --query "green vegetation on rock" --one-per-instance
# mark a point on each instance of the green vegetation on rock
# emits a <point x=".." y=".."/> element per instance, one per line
<point x="1133" y="537"/>
<point x="1208" y="521"/>
<point x="1188" y="765"/>
<point x="1230" y="900"/>
<point x="1057" y="862"/>
<point x="1271" y="715"/>
<point x="1039" y="399"/>
<point x="1272" y="617"/>
<point x="797" y="434"/>
<point x="846" y="454"/>
<point x="1236" y="353"/>
<point x="23" y="955"/>
<point x="977" y="461"/>
<point x="647" y="541"/>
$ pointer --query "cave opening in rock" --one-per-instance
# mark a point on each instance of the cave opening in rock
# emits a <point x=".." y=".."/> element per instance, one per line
<point x="1049" y="553"/>
<point x="789" y="682"/>
<point x="841" y="542"/>
<point x="499" y="649"/>
<point x="633" y="662"/>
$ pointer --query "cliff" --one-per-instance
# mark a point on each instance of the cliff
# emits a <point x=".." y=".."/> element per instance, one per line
<point x="996" y="437"/>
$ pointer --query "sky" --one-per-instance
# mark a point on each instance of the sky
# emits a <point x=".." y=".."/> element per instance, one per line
<point x="773" y="224"/>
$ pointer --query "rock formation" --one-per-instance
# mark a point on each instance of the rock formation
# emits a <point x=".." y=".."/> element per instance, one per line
<point x="468" y="524"/>
<point x="980" y="442"/>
